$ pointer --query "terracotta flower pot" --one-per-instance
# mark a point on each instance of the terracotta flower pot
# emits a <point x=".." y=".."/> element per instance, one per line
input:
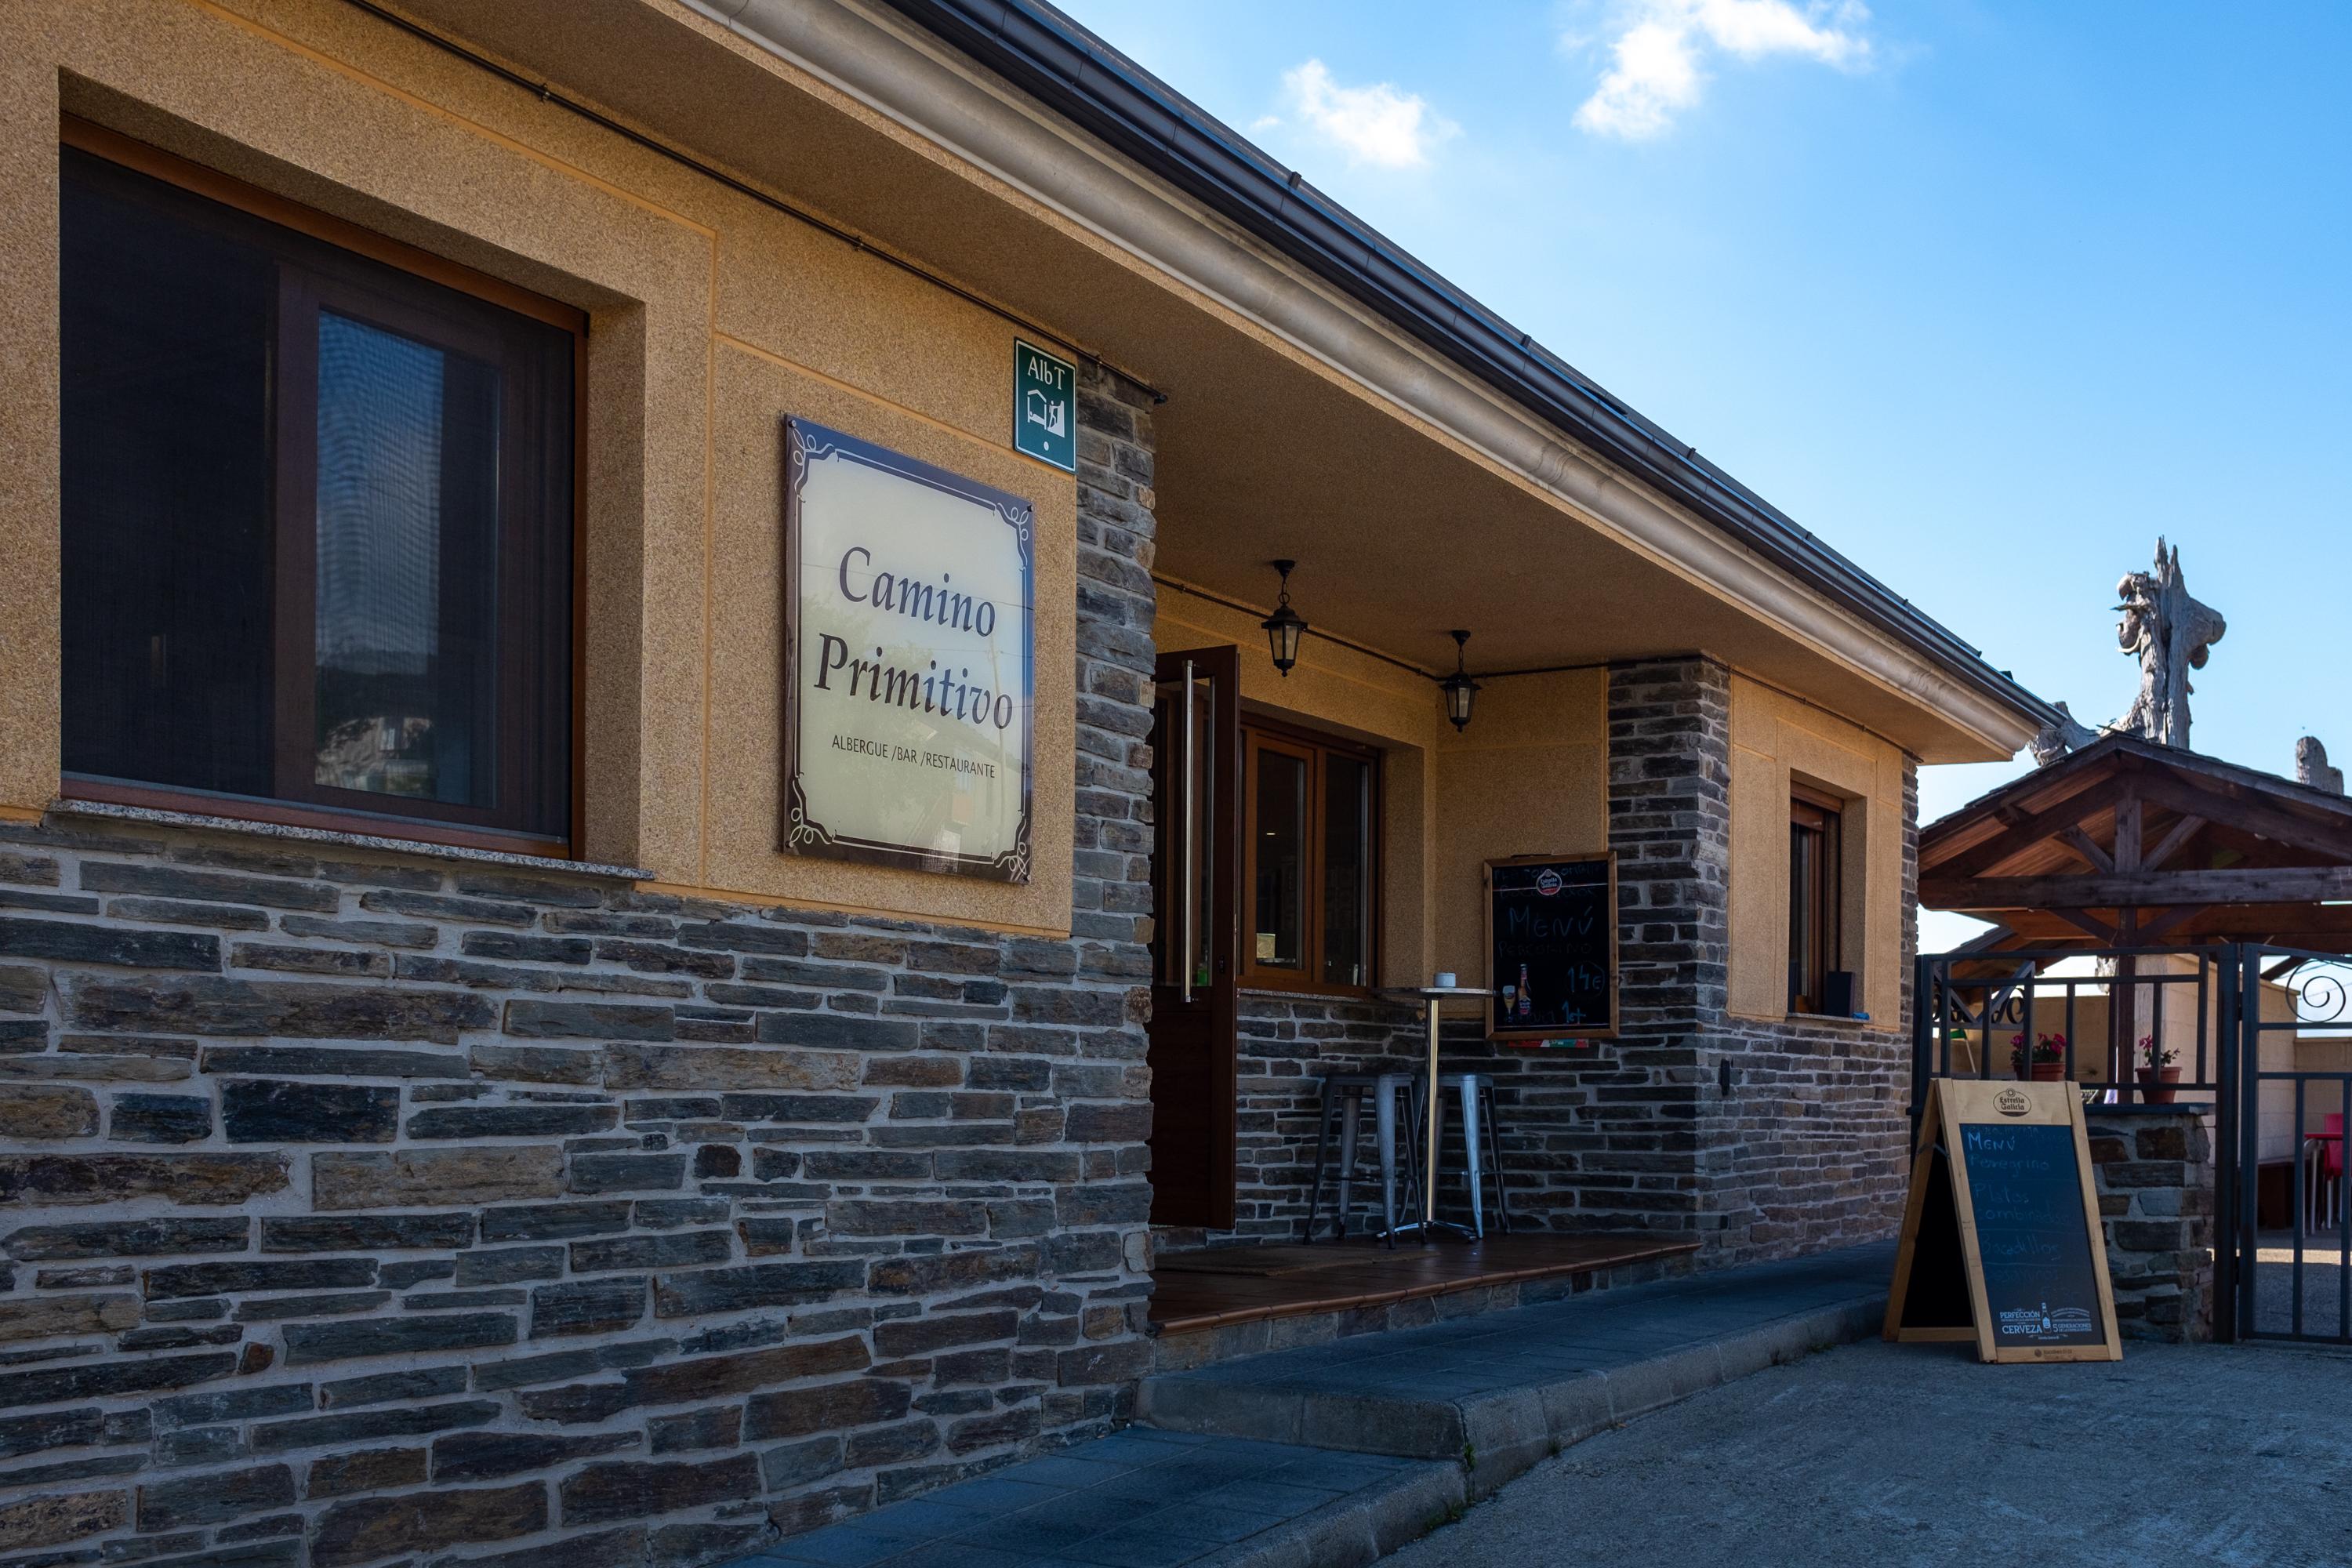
<point x="2050" y="1072"/>
<point x="2156" y="1084"/>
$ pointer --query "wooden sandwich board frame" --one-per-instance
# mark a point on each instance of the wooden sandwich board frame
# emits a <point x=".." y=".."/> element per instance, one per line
<point x="1937" y="1163"/>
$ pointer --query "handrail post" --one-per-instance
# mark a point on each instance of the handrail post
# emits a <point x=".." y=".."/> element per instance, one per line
<point x="1926" y="1014"/>
<point x="2227" y="1155"/>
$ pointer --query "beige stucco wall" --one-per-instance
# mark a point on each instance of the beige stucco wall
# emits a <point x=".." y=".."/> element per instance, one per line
<point x="711" y="315"/>
<point x="1336" y="689"/>
<point x="1776" y="740"/>
<point x="1528" y="777"/>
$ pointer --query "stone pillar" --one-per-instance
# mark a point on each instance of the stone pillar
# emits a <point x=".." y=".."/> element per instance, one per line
<point x="1111" y="916"/>
<point x="1670" y="824"/>
<point x="2156" y="1196"/>
<point x="1761" y="1138"/>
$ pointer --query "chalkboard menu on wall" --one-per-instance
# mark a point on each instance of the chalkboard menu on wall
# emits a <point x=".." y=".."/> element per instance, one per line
<point x="2002" y="1240"/>
<point x="1551" y="946"/>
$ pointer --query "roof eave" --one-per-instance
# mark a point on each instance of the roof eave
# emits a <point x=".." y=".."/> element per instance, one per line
<point x="1081" y="77"/>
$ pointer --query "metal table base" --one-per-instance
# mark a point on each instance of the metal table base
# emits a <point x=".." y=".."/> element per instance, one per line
<point x="1428" y="1224"/>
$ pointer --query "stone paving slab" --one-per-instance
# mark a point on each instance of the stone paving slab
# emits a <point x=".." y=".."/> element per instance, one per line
<point x="1500" y="1391"/>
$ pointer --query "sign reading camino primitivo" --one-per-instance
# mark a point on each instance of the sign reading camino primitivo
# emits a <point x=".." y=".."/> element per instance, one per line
<point x="909" y="661"/>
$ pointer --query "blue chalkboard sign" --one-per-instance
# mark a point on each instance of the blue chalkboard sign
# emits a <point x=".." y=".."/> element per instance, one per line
<point x="2040" y="1265"/>
<point x="2002" y="1239"/>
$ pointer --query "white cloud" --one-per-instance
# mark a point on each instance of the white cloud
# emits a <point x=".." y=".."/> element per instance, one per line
<point x="1656" y="67"/>
<point x="1377" y="124"/>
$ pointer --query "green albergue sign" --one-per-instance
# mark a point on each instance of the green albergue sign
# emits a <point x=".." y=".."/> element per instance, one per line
<point x="1045" y="407"/>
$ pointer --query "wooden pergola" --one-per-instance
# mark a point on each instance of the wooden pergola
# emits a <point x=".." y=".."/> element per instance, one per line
<point x="2127" y="844"/>
<point x="2126" y="849"/>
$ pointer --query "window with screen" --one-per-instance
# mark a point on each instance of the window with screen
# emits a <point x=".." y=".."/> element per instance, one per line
<point x="1312" y="879"/>
<point x="318" y="517"/>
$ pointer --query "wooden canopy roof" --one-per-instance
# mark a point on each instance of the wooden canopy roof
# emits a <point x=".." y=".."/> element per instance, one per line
<point x="2130" y="844"/>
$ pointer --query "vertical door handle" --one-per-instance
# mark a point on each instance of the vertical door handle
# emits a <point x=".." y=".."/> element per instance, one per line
<point x="1184" y="871"/>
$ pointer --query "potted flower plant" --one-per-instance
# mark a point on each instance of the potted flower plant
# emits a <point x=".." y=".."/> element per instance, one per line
<point x="2159" y="1075"/>
<point x="2049" y="1057"/>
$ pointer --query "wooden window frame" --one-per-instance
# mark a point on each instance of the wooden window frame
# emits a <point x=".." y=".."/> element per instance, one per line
<point x="323" y="807"/>
<point x="1817" y="812"/>
<point x="1314" y="748"/>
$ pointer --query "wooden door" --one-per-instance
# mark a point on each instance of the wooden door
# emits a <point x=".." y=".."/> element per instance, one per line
<point x="1195" y="875"/>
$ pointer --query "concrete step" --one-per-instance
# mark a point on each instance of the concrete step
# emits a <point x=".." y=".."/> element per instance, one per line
<point x="1143" y="1499"/>
<point x="1500" y="1392"/>
<point x="1407" y="1428"/>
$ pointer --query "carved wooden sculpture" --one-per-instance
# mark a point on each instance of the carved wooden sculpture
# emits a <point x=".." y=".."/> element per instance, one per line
<point x="2173" y="634"/>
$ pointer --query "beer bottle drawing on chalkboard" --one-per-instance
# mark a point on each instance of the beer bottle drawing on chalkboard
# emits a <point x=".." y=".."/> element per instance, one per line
<point x="1527" y="1002"/>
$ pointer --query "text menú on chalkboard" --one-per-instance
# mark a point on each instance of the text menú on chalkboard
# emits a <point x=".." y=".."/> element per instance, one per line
<point x="1551" y="946"/>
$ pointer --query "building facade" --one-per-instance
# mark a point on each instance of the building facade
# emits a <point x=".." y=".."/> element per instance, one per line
<point x="467" y="1090"/>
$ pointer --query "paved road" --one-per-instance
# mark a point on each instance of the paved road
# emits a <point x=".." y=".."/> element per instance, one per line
<point x="2323" y="1289"/>
<point x="1917" y="1457"/>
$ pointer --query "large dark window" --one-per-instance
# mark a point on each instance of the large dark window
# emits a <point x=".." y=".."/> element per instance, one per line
<point x="1313" y="830"/>
<point x="318" y="520"/>
<point x="1815" y="847"/>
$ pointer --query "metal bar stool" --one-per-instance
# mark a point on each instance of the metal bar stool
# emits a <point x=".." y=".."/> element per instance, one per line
<point x="1343" y="1096"/>
<point x="1475" y="1092"/>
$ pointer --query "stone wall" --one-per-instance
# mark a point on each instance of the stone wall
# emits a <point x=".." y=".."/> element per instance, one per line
<point x="1288" y="1044"/>
<point x="1762" y="1139"/>
<point x="1767" y="1139"/>
<point x="2154" y="1171"/>
<point x="367" y="1204"/>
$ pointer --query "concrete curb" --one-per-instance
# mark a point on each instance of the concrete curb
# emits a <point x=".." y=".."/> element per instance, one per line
<point x="1357" y="1529"/>
<point x="1489" y="1439"/>
<point x="1504" y="1439"/>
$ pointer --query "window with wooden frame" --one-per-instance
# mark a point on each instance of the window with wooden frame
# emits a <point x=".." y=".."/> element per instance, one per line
<point x="320" y="516"/>
<point x="1815" y="849"/>
<point x="1312" y="876"/>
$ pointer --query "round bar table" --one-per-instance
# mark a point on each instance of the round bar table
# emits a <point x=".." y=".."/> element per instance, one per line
<point x="1429" y="1223"/>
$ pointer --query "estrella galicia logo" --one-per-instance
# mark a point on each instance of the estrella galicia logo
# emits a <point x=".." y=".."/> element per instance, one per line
<point x="1547" y="881"/>
<point x="2046" y="1325"/>
<point x="2011" y="1102"/>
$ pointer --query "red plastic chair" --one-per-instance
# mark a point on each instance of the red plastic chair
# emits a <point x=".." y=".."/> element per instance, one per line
<point x="2327" y="1174"/>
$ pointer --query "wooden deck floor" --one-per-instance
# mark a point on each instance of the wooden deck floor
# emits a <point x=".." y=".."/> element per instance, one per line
<point x="1197" y="1290"/>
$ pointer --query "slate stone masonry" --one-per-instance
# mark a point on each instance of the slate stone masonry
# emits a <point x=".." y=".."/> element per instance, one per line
<point x="367" y="1206"/>
<point x="1762" y="1139"/>
<point x="1769" y="1140"/>
<point x="2155" y="1170"/>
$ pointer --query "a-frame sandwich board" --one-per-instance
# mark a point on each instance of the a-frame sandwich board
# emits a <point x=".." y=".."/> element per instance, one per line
<point x="2003" y="1218"/>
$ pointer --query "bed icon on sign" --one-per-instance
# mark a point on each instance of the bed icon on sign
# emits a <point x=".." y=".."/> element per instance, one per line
<point x="1045" y="407"/>
<point x="1053" y="413"/>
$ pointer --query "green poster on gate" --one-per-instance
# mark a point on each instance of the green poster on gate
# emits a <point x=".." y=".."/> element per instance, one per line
<point x="1045" y="407"/>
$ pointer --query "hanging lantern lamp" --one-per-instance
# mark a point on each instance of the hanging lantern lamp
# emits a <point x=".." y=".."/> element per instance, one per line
<point x="1461" y="691"/>
<point x="1286" y="626"/>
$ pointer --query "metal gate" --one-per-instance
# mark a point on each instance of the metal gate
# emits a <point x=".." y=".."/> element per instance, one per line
<point x="2284" y="1245"/>
<point x="2257" y="1039"/>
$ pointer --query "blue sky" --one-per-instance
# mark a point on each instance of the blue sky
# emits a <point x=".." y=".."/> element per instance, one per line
<point x="1987" y="293"/>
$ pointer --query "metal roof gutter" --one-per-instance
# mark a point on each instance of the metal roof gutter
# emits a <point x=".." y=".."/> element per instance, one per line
<point x="1082" y="77"/>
